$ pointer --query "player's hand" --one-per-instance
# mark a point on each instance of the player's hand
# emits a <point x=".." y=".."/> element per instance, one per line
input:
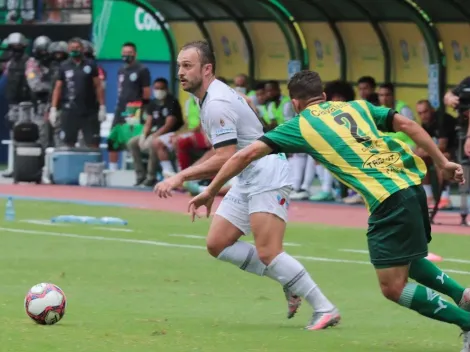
<point x="204" y="198"/>
<point x="53" y="116"/>
<point x="453" y="172"/>
<point x="467" y="146"/>
<point x="163" y="189"/>
<point x="102" y="113"/>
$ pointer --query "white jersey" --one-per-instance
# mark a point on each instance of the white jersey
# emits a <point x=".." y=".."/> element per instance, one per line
<point x="227" y="119"/>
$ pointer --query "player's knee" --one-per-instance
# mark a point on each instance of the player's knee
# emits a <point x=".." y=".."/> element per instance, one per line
<point x="214" y="246"/>
<point x="157" y="144"/>
<point x="267" y="254"/>
<point x="392" y="290"/>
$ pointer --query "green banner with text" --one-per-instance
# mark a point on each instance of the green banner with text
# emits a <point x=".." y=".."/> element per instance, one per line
<point x="117" y="22"/>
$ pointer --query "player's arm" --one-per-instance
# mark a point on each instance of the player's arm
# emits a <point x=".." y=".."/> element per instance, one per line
<point x="145" y="83"/>
<point x="98" y="85"/>
<point x="420" y="137"/>
<point x="222" y="125"/>
<point x="57" y="92"/>
<point x="237" y="163"/>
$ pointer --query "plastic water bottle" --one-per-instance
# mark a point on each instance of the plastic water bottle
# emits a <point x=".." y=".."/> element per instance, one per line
<point x="112" y="221"/>
<point x="74" y="219"/>
<point x="10" y="210"/>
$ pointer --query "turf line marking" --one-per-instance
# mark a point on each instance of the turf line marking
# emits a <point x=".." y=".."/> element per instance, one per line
<point x="41" y="222"/>
<point x="113" y="229"/>
<point x="286" y="244"/>
<point x="175" y="245"/>
<point x="450" y="260"/>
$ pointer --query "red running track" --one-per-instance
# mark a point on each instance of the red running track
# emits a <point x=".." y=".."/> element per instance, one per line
<point x="304" y="212"/>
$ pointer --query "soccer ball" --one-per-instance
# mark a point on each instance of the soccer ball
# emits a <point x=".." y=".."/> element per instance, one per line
<point x="45" y="303"/>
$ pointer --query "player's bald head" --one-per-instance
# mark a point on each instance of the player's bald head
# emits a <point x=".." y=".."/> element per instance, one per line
<point x="305" y="85"/>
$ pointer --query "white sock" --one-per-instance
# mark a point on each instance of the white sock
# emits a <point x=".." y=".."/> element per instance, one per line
<point x="428" y="190"/>
<point x="293" y="276"/>
<point x="243" y="255"/>
<point x="446" y="193"/>
<point x="167" y="165"/>
<point x="319" y="169"/>
<point x="309" y="173"/>
<point x="113" y="166"/>
<point x="297" y="165"/>
<point x="327" y="182"/>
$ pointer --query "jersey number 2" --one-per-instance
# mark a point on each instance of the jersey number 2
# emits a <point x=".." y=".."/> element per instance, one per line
<point x="345" y="119"/>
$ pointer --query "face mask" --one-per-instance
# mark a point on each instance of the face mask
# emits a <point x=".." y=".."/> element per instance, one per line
<point x="75" y="53"/>
<point x="127" y="58"/>
<point x="241" y="90"/>
<point x="160" y="94"/>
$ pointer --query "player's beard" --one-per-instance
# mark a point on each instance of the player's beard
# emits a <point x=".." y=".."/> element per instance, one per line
<point x="193" y="86"/>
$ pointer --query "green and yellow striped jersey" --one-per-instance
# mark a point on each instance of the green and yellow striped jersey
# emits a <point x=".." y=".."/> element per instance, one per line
<point x="347" y="138"/>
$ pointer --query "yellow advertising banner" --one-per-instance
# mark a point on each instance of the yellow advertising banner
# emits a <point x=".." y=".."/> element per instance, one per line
<point x="229" y="47"/>
<point x="184" y="32"/>
<point x="364" y="54"/>
<point x="456" y="39"/>
<point x="410" y="57"/>
<point x="322" y="49"/>
<point x="271" y="50"/>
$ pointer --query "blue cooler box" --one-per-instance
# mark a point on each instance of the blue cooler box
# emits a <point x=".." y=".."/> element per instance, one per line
<point x="68" y="164"/>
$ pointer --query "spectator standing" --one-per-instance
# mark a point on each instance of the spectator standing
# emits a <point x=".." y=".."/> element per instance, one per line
<point x="164" y="118"/>
<point x="17" y="89"/>
<point x="444" y="133"/>
<point x="242" y="85"/>
<point x="80" y="91"/>
<point x="133" y="88"/>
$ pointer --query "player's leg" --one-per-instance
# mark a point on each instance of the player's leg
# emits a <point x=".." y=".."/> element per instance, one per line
<point x="161" y="145"/>
<point x="428" y="274"/>
<point x="397" y="237"/>
<point x="297" y="164"/>
<point x="70" y="127"/>
<point x="268" y="216"/>
<point x="134" y="147"/>
<point x="230" y="222"/>
<point x="91" y="131"/>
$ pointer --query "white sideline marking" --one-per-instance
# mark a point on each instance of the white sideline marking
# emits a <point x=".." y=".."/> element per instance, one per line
<point x="113" y="229"/>
<point x="42" y="222"/>
<point x="175" y="245"/>
<point x="287" y="244"/>
<point x="450" y="260"/>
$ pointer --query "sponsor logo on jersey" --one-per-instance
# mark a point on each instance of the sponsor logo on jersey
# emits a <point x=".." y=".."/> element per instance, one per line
<point x="222" y="131"/>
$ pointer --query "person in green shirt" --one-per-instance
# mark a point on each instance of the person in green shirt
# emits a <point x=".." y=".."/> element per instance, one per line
<point x="346" y="138"/>
<point x="279" y="106"/>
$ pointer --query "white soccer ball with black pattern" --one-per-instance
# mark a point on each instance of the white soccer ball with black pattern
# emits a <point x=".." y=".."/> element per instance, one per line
<point x="45" y="303"/>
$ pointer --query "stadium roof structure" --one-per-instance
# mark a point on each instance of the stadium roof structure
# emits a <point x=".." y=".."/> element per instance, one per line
<point x="287" y="14"/>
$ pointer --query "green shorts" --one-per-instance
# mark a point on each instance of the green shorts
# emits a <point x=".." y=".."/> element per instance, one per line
<point x="399" y="229"/>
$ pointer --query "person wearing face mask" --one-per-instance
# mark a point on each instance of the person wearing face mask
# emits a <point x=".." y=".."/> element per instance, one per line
<point x="17" y="89"/>
<point x="39" y="78"/>
<point x="164" y="118"/>
<point x="241" y="82"/>
<point x="133" y="95"/>
<point x="80" y="91"/>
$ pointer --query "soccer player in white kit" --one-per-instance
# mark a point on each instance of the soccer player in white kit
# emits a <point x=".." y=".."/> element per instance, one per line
<point x="258" y="202"/>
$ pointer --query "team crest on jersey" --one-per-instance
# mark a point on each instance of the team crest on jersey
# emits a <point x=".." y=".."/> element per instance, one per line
<point x="87" y="69"/>
<point x="282" y="201"/>
<point x="133" y="76"/>
<point x="69" y="74"/>
<point x="222" y="122"/>
<point x="165" y="112"/>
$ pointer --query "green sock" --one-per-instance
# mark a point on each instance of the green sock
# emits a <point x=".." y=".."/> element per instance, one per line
<point x="429" y="275"/>
<point x="426" y="302"/>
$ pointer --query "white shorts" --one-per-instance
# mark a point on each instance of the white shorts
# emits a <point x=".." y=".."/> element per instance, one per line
<point x="236" y="207"/>
<point x="165" y="138"/>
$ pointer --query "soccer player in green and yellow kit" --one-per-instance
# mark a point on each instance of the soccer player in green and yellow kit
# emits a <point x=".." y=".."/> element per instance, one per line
<point x="348" y="139"/>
